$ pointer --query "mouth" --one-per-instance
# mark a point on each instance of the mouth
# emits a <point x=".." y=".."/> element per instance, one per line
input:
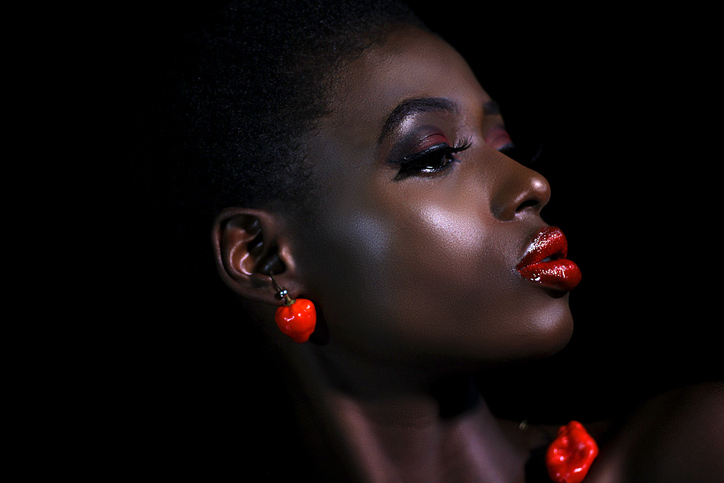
<point x="545" y="261"/>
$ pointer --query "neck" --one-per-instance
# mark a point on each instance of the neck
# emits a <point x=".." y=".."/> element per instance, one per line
<point x="399" y="425"/>
<point x="411" y="439"/>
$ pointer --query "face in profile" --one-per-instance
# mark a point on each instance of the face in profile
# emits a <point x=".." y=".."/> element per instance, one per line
<point x="422" y="220"/>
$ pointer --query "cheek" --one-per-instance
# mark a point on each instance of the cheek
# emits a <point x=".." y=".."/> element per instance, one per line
<point x="461" y="286"/>
<point x="426" y="276"/>
<point x="450" y="230"/>
<point x="402" y="279"/>
<point x="444" y="252"/>
<point x="455" y="271"/>
<point x="457" y="294"/>
<point x="347" y="259"/>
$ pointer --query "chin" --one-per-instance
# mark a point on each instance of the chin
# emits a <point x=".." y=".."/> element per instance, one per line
<point x="551" y="330"/>
<point x="533" y="336"/>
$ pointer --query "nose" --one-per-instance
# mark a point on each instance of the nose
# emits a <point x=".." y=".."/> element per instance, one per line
<point x="520" y="192"/>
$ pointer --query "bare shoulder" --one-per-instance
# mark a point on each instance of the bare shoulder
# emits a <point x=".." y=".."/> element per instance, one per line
<point x="677" y="436"/>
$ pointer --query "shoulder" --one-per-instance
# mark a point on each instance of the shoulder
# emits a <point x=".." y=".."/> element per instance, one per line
<point x="677" y="436"/>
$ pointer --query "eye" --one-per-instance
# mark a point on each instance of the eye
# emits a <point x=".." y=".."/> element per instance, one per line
<point x="431" y="160"/>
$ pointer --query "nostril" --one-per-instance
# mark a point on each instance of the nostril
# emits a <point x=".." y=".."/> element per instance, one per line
<point x="531" y="203"/>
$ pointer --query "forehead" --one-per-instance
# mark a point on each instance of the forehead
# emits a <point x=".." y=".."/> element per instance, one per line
<point x="411" y="63"/>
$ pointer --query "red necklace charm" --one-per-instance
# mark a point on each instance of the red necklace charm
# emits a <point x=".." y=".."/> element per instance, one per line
<point x="570" y="455"/>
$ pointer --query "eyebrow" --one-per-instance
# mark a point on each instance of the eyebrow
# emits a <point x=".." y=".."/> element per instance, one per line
<point x="415" y="106"/>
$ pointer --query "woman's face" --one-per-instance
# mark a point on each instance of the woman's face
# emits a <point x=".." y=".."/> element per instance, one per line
<point x="413" y="256"/>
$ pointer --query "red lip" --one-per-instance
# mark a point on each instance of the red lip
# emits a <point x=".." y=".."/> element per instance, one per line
<point x="545" y="261"/>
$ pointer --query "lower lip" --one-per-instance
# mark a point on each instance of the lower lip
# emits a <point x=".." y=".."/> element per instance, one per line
<point x="560" y="274"/>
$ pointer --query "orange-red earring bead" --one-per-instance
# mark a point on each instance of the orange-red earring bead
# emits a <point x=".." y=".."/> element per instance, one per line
<point x="296" y="318"/>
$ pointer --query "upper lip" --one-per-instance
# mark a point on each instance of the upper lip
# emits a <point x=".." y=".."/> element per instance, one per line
<point x="548" y="243"/>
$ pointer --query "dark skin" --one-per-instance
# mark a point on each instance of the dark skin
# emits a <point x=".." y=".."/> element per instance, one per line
<point x="411" y="267"/>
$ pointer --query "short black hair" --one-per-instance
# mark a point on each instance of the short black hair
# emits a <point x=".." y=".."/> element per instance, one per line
<point x="247" y="86"/>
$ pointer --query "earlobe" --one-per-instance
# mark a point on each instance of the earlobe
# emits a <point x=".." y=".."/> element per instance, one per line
<point x="251" y="253"/>
<point x="247" y="250"/>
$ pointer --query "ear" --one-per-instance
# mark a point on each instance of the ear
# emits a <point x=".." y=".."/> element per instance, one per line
<point x="248" y="246"/>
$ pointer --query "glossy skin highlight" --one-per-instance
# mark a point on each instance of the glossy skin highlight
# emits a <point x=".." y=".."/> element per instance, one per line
<point x="424" y="268"/>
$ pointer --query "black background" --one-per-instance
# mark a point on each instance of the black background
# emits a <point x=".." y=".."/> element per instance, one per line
<point x="626" y="108"/>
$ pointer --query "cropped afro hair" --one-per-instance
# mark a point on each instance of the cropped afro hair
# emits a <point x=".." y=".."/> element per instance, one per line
<point x="248" y="85"/>
<point x="221" y="125"/>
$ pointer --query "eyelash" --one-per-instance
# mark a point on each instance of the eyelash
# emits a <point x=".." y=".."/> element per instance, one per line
<point x="431" y="160"/>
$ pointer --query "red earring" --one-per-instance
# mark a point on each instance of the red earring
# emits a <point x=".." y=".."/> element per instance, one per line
<point x="296" y="318"/>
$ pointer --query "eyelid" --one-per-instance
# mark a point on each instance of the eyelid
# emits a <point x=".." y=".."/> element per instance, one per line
<point x="442" y="146"/>
<point x="420" y="154"/>
<point x="416" y="143"/>
<point x="415" y="164"/>
<point x="498" y="137"/>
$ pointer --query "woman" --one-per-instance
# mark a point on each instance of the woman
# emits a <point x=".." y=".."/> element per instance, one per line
<point x="350" y="153"/>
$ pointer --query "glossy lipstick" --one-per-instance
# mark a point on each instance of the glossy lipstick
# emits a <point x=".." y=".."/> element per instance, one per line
<point x="545" y="261"/>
